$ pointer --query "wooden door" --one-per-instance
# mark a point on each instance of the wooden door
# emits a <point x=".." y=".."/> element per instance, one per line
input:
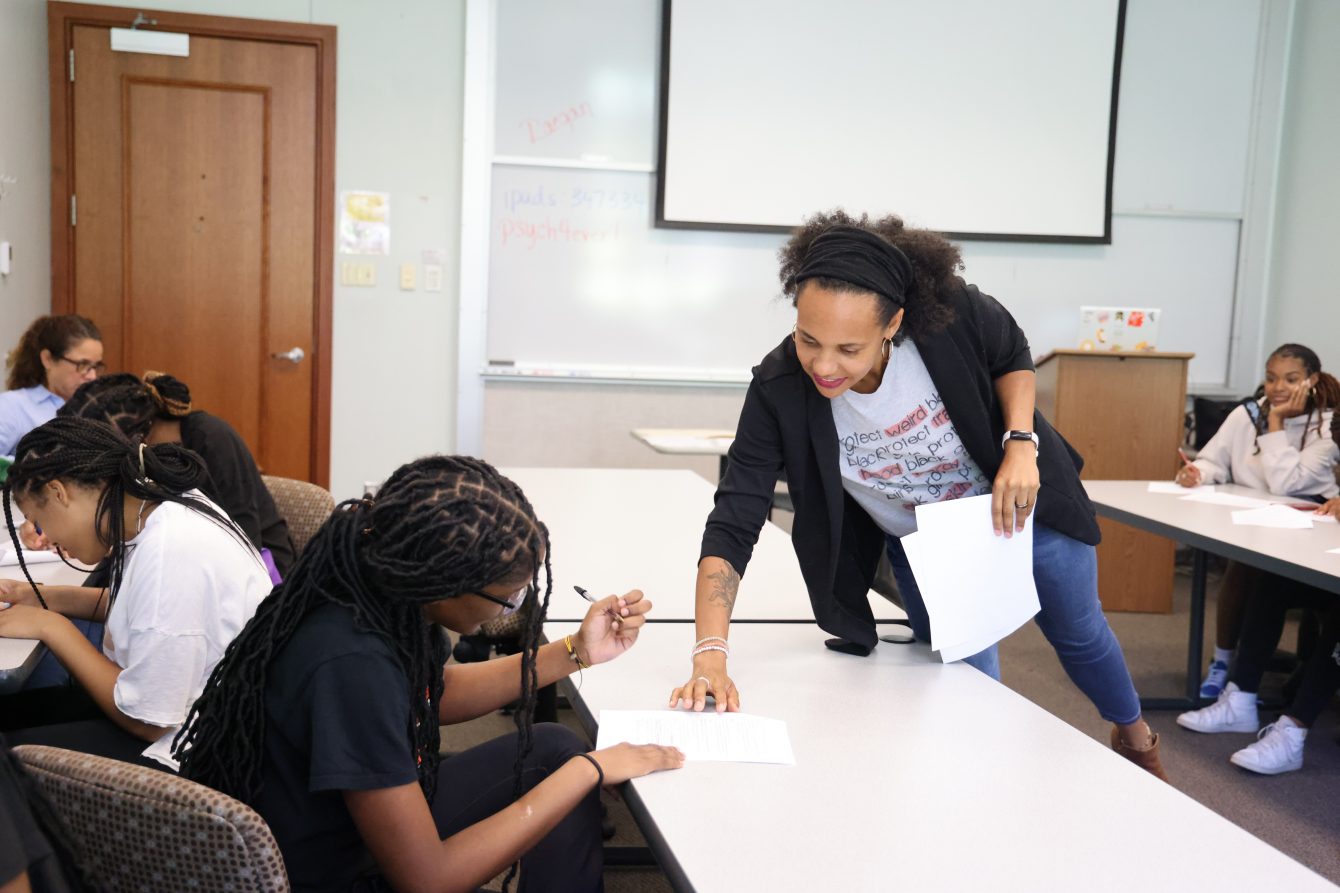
<point x="192" y="215"/>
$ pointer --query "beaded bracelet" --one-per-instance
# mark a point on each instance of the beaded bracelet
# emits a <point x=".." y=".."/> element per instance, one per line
<point x="572" y="654"/>
<point x="703" y="649"/>
<point x="600" y="773"/>
<point x="706" y="639"/>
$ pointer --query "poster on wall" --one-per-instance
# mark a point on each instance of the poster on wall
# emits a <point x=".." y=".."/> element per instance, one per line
<point x="365" y="223"/>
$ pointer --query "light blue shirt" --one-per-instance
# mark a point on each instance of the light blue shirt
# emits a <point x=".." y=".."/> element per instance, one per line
<point x="22" y="410"/>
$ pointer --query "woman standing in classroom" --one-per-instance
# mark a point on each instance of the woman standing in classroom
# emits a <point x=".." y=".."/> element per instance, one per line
<point x="53" y="358"/>
<point x="902" y="385"/>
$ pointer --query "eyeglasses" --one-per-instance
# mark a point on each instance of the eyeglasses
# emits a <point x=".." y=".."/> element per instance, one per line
<point x="83" y="367"/>
<point x="510" y="605"/>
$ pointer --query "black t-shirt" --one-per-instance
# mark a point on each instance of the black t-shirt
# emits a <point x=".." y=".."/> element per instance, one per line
<point x="337" y="718"/>
<point x="236" y="485"/>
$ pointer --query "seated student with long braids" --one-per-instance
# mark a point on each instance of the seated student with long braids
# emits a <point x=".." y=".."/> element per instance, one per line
<point x="158" y="409"/>
<point x="183" y="581"/>
<point x="323" y="714"/>
<point x="1276" y="443"/>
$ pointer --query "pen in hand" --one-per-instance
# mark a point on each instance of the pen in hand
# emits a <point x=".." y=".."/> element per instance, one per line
<point x="613" y="615"/>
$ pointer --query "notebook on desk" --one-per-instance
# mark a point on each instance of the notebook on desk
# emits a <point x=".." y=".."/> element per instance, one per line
<point x="1119" y="328"/>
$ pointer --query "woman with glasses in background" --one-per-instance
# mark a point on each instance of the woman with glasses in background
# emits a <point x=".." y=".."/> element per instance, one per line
<point x="53" y="358"/>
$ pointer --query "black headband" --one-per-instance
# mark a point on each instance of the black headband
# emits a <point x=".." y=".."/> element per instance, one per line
<point x="858" y="257"/>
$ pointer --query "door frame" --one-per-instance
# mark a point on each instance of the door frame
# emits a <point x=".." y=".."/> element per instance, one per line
<point x="62" y="18"/>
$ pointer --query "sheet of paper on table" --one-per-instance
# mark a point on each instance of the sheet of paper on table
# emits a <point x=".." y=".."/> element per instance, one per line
<point x="8" y="557"/>
<point x="722" y="737"/>
<point x="1229" y="499"/>
<point x="1174" y="488"/>
<point x="1278" y="516"/>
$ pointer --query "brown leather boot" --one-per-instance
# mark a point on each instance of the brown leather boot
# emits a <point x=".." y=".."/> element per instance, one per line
<point x="1147" y="759"/>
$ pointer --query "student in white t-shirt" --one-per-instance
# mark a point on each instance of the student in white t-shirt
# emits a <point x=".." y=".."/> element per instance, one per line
<point x="1278" y="443"/>
<point x="183" y="582"/>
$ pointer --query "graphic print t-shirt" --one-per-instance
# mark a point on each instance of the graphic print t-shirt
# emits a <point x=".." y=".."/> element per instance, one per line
<point x="898" y="447"/>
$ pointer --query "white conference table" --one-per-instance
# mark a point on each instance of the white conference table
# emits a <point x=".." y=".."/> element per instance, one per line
<point x="18" y="657"/>
<point x="910" y="774"/>
<point x="613" y="530"/>
<point x="1296" y="554"/>
<point x="689" y="442"/>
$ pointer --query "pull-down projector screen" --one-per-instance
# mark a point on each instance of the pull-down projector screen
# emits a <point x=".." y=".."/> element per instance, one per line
<point x="979" y="118"/>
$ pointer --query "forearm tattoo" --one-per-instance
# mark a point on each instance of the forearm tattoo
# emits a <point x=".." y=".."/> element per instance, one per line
<point x="725" y="584"/>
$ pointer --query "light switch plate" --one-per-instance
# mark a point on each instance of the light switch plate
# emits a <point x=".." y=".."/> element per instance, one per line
<point x="407" y="277"/>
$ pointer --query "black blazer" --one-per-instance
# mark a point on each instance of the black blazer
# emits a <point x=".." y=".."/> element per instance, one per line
<point x="787" y="424"/>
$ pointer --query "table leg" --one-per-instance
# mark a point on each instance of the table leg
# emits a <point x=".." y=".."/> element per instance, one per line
<point x="1194" y="646"/>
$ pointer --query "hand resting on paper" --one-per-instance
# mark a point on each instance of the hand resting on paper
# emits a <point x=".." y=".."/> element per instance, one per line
<point x="624" y="761"/>
<point x="1331" y="507"/>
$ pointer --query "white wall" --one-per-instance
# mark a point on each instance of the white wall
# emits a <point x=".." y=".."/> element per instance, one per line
<point x="1304" y="302"/>
<point x="398" y="130"/>
<point x="25" y="138"/>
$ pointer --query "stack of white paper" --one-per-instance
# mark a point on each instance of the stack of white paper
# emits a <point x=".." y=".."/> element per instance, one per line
<point x="1275" y="515"/>
<point x="725" y="737"/>
<point x="978" y="587"/>
<point x="1172" y="487"/>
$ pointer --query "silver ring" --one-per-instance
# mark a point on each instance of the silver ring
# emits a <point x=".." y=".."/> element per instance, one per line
<point x="704" y="679"/>
<point x="1024" y="506"/>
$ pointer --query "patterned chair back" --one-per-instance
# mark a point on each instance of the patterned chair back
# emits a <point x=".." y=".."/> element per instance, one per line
<point x="304" y="507"/>
<point x="142" y="829"/>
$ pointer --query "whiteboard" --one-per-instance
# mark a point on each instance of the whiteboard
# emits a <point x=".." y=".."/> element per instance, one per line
<point x="581" y="279"/>
<point x="576" y="80"/>
<point x="974" y="117"/>
<point x="581" y="282"/>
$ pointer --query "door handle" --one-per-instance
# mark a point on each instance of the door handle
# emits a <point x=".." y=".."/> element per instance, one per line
<point x="294" y="356"/>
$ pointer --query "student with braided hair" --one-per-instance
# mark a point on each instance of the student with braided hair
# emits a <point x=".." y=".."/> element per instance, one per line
<point x="158" y="409"/>
<point x="182" y="582"/>
<point x="324" y="713"/>
<point x="1277" y="442"/>
<point x="54" y="357"/>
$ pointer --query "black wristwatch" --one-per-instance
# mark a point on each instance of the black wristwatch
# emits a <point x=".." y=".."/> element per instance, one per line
<point x="1020" y="435"/>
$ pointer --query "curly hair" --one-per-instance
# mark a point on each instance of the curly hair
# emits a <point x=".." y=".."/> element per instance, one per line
<point x="935" y="265"/>
<point x="56" y="334"/>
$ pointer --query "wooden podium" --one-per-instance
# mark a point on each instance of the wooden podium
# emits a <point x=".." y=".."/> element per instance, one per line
<point x="1124" y="413"/>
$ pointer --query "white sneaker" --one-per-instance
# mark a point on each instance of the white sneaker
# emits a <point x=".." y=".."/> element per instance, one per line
<point x="1235" y="711"/>
<point x="1279" y="748"/>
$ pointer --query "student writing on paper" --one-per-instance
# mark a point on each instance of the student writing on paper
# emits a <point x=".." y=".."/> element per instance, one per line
<point x="54" y="357"/>
<point x="902" y="385"/>
<point x="324" y="715"/>
<point x="1275" y="442"/>
<point x="183" y="580"/>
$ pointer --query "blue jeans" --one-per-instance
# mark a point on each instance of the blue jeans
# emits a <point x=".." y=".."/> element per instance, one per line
<point x="1066" y="574"/>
